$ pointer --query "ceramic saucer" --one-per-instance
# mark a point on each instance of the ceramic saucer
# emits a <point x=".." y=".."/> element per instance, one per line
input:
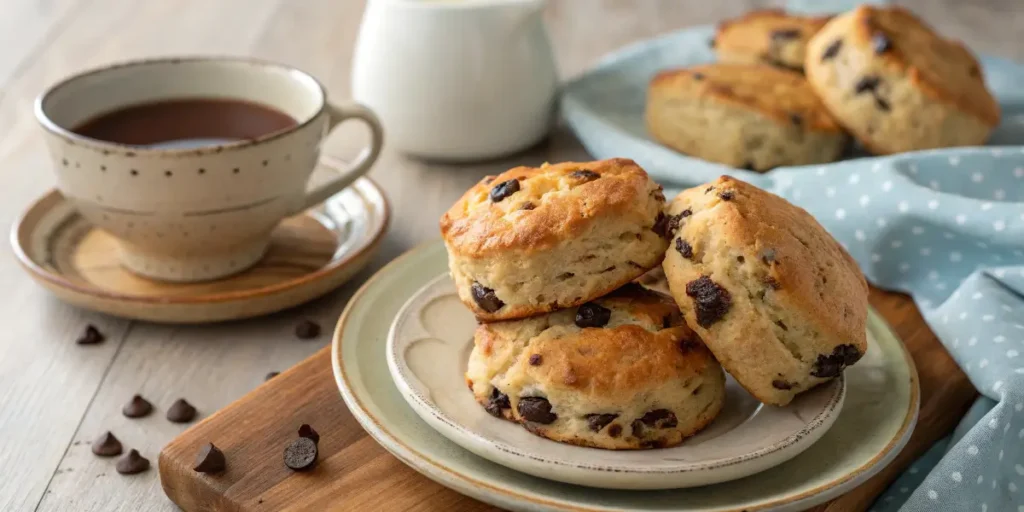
<point x="310" y="254"/>
<point x="428" y="349"/>
<point x="880" y="410"/>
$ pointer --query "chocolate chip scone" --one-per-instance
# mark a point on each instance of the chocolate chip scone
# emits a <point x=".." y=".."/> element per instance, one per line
<point x="621" y="372"/>
<point x="751" y="116"/>
<point x="533" y="240"/>
<point x="767" y="36"/>
<point x="777" y="300"/>
<point x="898" y="86"/>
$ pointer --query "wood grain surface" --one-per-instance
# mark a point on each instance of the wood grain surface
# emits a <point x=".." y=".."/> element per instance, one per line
<point x="55" y="396"/>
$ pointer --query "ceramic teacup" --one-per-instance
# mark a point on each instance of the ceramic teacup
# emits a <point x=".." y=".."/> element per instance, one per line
<point x="200" y="211"/>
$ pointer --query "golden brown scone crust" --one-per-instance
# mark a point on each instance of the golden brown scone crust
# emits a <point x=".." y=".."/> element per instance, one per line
<point x="570" y="232"/>
<point x="644" y="359"/>
<point x="767" y="36"/>
<point x="780" y="303"/>
<point x="927" y="91"/>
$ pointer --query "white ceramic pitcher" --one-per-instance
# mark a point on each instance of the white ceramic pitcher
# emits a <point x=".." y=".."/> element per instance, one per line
<point x="457" y="79"/>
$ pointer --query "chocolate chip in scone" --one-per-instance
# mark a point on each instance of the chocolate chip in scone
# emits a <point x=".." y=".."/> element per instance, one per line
<point x="137" y="407"/>
<point x="831" y="50"/>
<point x="596" y="422"/>
<point x="527" y="206"/>
<point x="661" y="225"/>
<point x="796" y="119"/>
<point x="653" y="443"/>
<point x="785" y="34"/>
<point x="485" y="298"/>
<point x="726" y="195"/>
<point x="684" y="248"/>
<point x="181" y="411"/>
<point x="271" y="375"/>
<point x="536" y="409"/>
<point x="882" y="104"/>
<point x="307" y="431"/>
<point x="710" y="300"/>
<point x="687" y="345"/>
<point x="209" y="460"/>
<point x="132" y="463"/>
<point x="615" y="430"/>
<point x="740" y="259"/>
<point x="536" y="359"/>
<point x="781" y="384"/>
<point x="830" y="365"/>
<point x="106" y="445"/>
<point x="880" y="42"/>
<point x="91" y="336"/>
<point x="504" y="189"/>
<point x="307" y="330"/>
<point x="867" y="83"/>
<point x="592" y="315"/>
<point x="768" y="256"/>
<point x="301" y="454"/>
<point x="674" y="221"/>
<point x="781" y="325"/>
<point x="584" y="175"/>
<point x="496" y="403"/>
<point x="660" y="418"/>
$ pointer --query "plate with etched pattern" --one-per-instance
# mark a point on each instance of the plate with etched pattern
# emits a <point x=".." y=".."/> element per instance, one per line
<point x="428" y="348"/>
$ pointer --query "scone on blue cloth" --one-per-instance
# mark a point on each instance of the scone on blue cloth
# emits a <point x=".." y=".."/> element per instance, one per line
<point x="778" y="301"/>
<point x="898" y="86"/>
<point x="751" y="116"/>
<point x="533" y="240"/>
<point x="767" y="36"/>
<point x="621" y="372"/>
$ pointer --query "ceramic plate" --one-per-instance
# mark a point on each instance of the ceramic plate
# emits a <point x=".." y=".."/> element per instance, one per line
<point x="428" y="348"/>
<point x="880" y="410"/>
<point x="310" y="254"/>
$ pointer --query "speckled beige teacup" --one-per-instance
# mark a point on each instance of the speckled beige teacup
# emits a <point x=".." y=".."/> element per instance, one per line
<point x="204" y="212"/>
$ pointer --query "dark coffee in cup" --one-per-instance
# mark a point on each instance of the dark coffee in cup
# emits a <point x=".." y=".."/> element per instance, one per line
<point x="186" y="122"/>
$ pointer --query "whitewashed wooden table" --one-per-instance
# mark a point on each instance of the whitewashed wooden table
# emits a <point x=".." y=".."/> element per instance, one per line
<point x="56" y="395"/>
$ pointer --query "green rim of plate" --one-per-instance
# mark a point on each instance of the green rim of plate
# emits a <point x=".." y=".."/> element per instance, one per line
<point x="881" y="408"/>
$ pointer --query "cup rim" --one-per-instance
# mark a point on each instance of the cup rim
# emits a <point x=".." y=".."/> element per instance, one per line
<point x="74" y="138"/>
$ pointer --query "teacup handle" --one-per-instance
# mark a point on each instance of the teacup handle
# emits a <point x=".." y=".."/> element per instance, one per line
<point x="337" y="115"/>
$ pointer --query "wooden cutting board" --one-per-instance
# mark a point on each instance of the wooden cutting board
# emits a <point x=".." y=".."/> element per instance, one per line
<point x="355" y="473"/>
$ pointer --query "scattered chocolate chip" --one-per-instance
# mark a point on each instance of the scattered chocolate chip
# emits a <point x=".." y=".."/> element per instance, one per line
<point x="536" y="359"/>
<point x="880" y="42"/>
<point x="882" y="104"/>
<point x="796" y="119"/>
<point x="181" y="412"/>
<point x="536" y="409"/>
<point x="307" y="330"/>
<point x="726" y="195"/>
<point x="527" y="206"/>
<point x="497" y="402"/>
<point x="685" y="213"/>
<point x="592" y="315"/>
<point x="710" y="300"/>
<point x="653" y="443"/>
<point x="674" y="221"/>
<point x="596" y="422"/>
<point x="209" y="460"/>
<point x="833" y="364"/>
<point x="271" y="375"/>
<point x="132" y="463"/>
<point x="307" y="431"/>
<point x="661" y="225"/>
<point x="301" y="454"/>
<point x="660" y="418"/>
<point x="687" y="345"/>
<point x="781" y="384"/>
<point x="137" y="407"/>
<point x="106" y="445"/>
<point x="683" y="248"/>
<point x="698" y="76"/>
<point x="785" y="34"/>
<point x="485" y="298"/>
<point x="91" y="336"/>
<point x="867" y="83"/>
<point x="772" y="283"/>
<point x="740" y="259"/>
<point x="781" y="325"/>
<point x="615" y="430"/>
<point x="832" y="50"/>
<point x="584" y="175"/>
<point x="504" y="189"/>
<point x="768" y="256"/>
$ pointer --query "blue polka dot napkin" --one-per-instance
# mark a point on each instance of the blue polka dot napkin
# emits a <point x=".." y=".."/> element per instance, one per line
<point x="945" y="226"/>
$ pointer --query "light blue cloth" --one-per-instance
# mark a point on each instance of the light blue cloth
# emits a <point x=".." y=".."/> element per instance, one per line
<point x="946" y="226"/>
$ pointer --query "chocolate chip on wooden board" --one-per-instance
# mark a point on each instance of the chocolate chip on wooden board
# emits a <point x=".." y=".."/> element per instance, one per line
<point x="106" y="445"/>
<point x="301" y="454"/>
<point x="90" y="336"/>
<point x="132" y="463"/>
<point x="137" y="407"/>
<point x="209" y="460"/>
<point x="181" y="412"/>
<point x="307" y="330"/>
<point x="307" y="431"/>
